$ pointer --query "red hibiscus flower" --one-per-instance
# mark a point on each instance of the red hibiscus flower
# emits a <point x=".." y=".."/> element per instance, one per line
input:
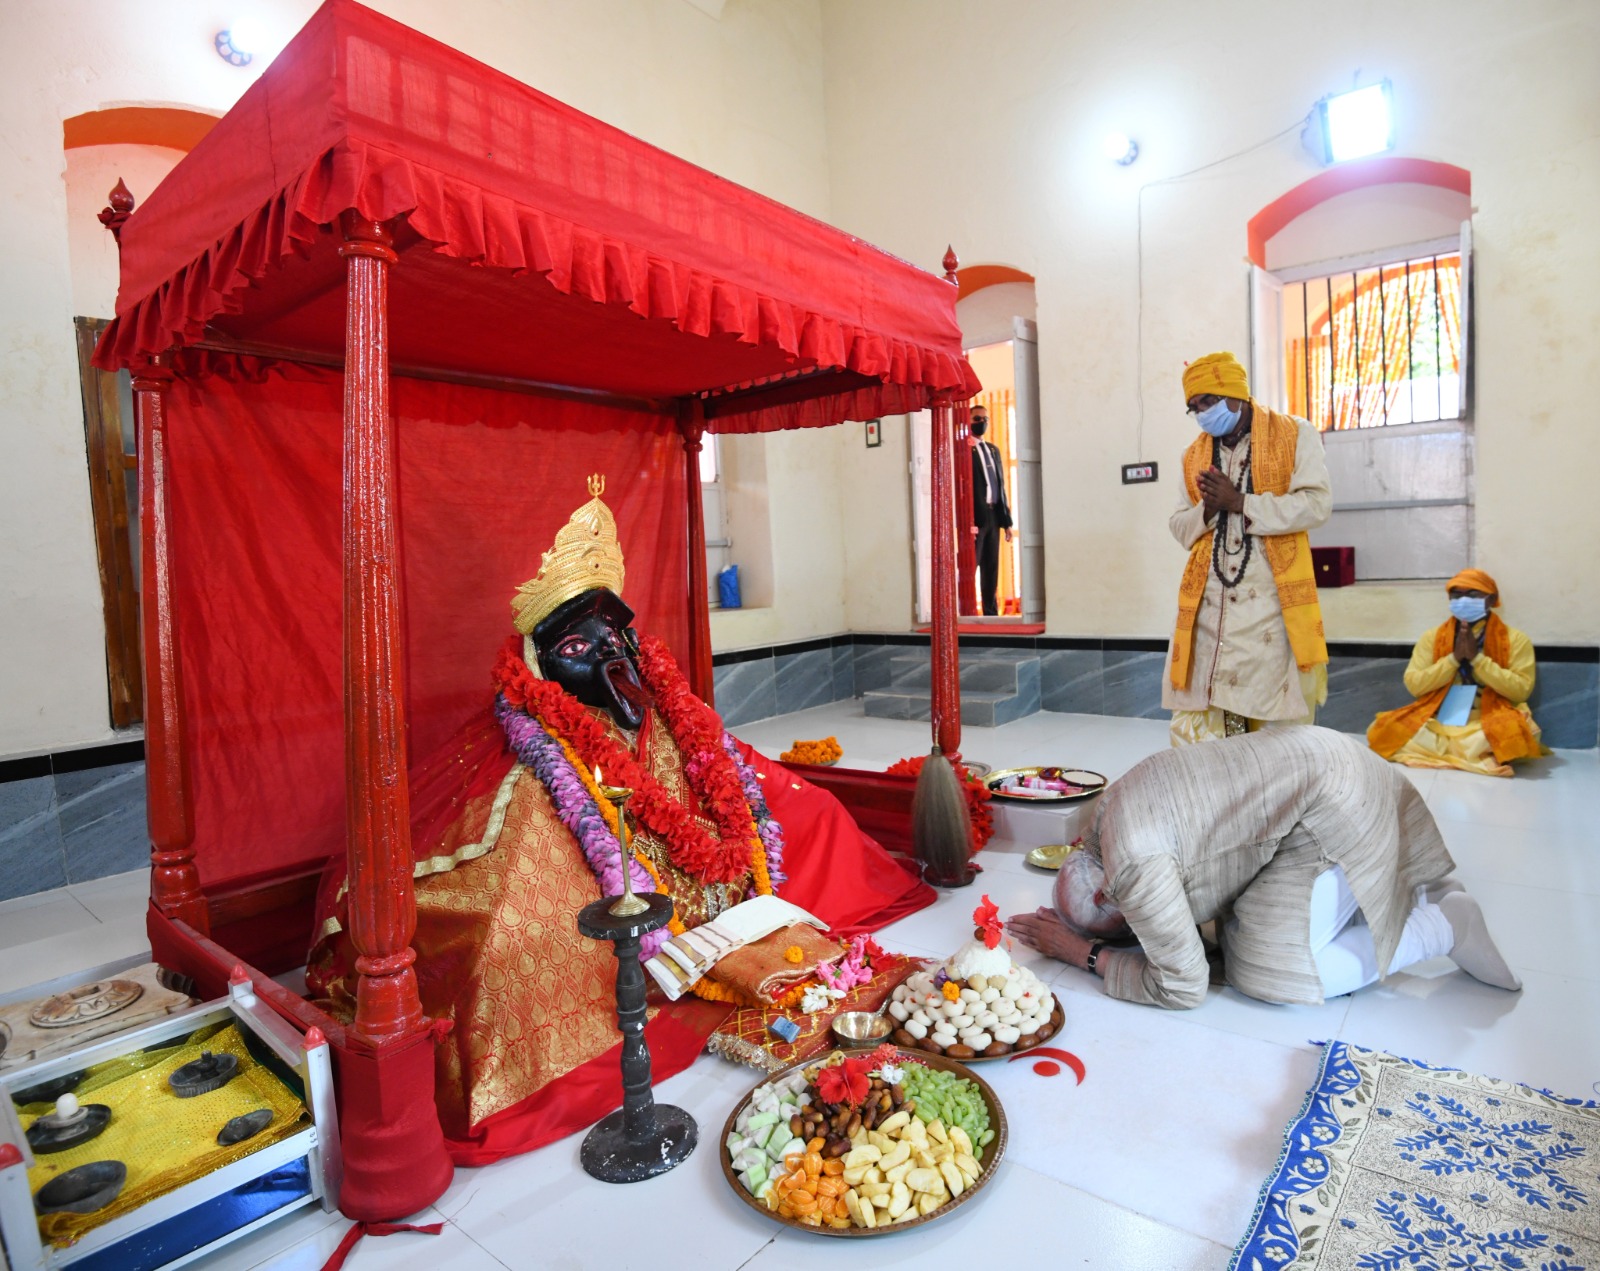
<point x="987" y="918"/>
<point x="846" y="1083"/>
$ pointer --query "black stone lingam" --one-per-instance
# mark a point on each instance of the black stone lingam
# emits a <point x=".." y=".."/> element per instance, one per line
<point x="201" y="1076"/>
<point x="69" y="1125"/>
<point x="245" y="1126"/>
<point x="83" y="1190"/>
<point x="643" y="1138"/>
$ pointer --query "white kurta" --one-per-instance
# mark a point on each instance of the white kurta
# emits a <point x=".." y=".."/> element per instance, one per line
<point x="1242" y="661"/>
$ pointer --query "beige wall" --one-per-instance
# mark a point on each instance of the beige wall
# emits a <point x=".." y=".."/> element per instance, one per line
<point x="740" y="93"/>
<point x="984" y="130"/>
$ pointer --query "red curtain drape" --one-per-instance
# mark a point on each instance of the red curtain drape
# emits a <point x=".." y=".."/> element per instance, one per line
<point x="485" y="480"/>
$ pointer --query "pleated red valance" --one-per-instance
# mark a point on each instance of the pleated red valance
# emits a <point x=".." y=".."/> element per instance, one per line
<point x="536" y="243"/>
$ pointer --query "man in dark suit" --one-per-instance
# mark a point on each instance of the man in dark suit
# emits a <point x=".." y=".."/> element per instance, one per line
<point x="991" y="514"/>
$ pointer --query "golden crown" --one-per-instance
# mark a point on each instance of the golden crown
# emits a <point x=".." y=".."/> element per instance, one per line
<point x="584" y="556"/>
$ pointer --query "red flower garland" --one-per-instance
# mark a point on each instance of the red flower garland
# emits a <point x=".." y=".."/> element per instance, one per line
<point x="696" y="730"/>
<point x="977" y="795"/>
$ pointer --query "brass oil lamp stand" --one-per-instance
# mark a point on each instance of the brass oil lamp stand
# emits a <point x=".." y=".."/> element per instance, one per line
<point x="642" y="1138"/>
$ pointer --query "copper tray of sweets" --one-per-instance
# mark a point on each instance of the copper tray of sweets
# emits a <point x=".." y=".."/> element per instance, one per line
<point x="1045" y="784"/>
<point x="936" y="1164"/>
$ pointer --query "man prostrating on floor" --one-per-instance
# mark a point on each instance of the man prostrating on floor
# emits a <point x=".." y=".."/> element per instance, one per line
<point x="1326" y="858"/>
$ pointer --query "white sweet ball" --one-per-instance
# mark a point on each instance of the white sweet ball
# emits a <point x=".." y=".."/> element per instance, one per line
<point x="898" y="1010"/>
<point x="1007" y="1011"/>
<point x="969" y="995"/>
<point x="990" y="994"/>
<point x="899" y="994"/>
<point x="1013" y="990"/>
<point x="950" y="1009"/>
<point x="1007" y="1034"/>
<point x="921" y="1016"/>
<point x="962" y="1021"/>
<point x="1047" y="1004"/>
<point x="978" y="983"/>
<point x="981" y="1042"/>
<point x="916" y="1029"/>
<point x="985" y="1019"/>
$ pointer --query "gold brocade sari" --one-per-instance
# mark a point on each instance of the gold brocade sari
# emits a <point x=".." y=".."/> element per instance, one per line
<point x="497" y="942"/>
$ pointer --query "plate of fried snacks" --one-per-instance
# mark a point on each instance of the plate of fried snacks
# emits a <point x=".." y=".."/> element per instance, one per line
<point x="1045" y="785"/>
<point x="866" y="1144"/>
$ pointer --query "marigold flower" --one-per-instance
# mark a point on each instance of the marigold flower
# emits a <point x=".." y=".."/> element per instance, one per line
<point x="952" y="991"/>
<point x="794" y="953"/>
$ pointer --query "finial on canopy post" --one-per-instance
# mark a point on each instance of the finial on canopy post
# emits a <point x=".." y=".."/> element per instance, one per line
<point x="119" y="208"/>
<point x="952" y="262"/>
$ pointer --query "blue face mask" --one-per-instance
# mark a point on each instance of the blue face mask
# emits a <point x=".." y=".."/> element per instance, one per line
<point x="1469" y="608"/>
<point x="1218" y="419"/>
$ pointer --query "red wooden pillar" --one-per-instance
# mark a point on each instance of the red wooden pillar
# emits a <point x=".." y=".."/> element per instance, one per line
<point x="174" y="880"/>
<point x="946" y="668"/>
<point x="966" y="553"/>
<point x="383" y="912"/>
<point x="692" y="424"/>
<point x="169" y="808"/>
<point x="394" y="1156"/>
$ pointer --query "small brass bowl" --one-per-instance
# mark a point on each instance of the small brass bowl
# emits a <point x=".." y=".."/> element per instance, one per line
<point x="861" y="1028"/>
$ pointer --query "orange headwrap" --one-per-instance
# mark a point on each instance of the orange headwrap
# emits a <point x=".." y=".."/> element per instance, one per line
<point x="1218" y="373"/>
<point x="1475" y="580"/>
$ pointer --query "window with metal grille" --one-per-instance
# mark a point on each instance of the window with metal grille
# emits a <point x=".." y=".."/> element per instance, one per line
<point x="1375" y="346"/>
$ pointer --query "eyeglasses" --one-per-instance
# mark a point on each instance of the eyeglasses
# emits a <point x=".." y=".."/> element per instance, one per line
<point x="1203" y="403"/>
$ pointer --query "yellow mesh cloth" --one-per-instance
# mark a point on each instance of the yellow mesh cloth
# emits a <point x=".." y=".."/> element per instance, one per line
<point x="164" y="1141"/>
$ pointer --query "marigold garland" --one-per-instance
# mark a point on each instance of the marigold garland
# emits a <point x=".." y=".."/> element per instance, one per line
<point x="698" y="734"/>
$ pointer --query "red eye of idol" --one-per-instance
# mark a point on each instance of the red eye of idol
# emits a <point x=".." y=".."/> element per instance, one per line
<point x="572" y="648"/>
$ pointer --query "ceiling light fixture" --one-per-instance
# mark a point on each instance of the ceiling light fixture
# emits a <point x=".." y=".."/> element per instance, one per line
<point x="231" y="48"/>
<point x="1355" y="124"/>
<point x="1121" y="148"/>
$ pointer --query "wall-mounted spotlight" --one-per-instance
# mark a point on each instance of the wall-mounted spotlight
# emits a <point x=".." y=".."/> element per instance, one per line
<point x="1352" y="125"/>
<point x="1121" y="148"/>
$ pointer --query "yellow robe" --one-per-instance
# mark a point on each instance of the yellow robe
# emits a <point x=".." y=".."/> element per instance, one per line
<point x="1465" y="746"/>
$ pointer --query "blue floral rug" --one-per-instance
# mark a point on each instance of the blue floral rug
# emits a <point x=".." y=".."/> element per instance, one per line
<point x="1395" y="1166"/>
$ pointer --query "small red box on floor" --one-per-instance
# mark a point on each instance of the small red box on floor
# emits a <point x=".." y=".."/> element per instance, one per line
<point x="1335" y="566"/>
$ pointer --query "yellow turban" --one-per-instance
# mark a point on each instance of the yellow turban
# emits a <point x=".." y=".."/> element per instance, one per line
<point x="1475" y="580"/>
<point x="1215" y="373"/>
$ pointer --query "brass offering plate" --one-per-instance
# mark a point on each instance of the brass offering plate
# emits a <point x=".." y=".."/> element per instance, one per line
<point x="1090" y="784"/>
<point x="85" y="1004"/>
<point x="991" y="1156"/>
<point x="1053" y="855"/>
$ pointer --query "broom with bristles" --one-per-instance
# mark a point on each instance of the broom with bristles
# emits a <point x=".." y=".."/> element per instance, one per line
<point x="941" y="826"/>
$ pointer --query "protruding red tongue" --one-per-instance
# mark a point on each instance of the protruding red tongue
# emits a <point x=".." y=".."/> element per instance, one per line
<point x="624" y="683"/>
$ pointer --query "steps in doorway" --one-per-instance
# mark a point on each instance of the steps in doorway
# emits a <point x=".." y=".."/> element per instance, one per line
<point x="997" y="686"/>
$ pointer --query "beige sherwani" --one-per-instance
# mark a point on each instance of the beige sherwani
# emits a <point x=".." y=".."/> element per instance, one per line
<point x="1242" y="659"/>
<point x="1246" y="825"/>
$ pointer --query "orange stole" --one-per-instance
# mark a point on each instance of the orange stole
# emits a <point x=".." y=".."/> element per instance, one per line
<point x="499" y="953"/>
<point x="1273" y="441"/>
<point x="1503" y="724"/>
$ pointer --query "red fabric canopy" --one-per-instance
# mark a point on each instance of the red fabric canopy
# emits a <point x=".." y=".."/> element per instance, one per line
<point x="485" y="479"/>
<point x="537" y="243"/>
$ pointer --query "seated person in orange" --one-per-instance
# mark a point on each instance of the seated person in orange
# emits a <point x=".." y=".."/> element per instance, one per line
<point x="512" y="838"/>
<point x="1472" y="655"/>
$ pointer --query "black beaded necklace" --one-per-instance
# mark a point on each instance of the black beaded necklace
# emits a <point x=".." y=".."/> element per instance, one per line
<point x="1220" y="535"/>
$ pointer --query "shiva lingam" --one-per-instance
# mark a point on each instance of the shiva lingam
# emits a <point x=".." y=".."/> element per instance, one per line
<point x="642" y="1138"/>
<point x="70" y="1124"/>
<point x="201" y="1076"/>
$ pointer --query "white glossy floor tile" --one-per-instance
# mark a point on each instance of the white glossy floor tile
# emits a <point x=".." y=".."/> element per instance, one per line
<point x="1548" y="1035"/>
<point x="87" y="946"/>
<point x="37" y="917"/>
<point x="1493" y="854"/>
<point x="1181" y="1124"/>
<point x="117" y="896"/>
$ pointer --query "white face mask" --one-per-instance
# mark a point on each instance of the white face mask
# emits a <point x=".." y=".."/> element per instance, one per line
<point x="1469" y="608"/>
<point x="1219" y="419"/>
